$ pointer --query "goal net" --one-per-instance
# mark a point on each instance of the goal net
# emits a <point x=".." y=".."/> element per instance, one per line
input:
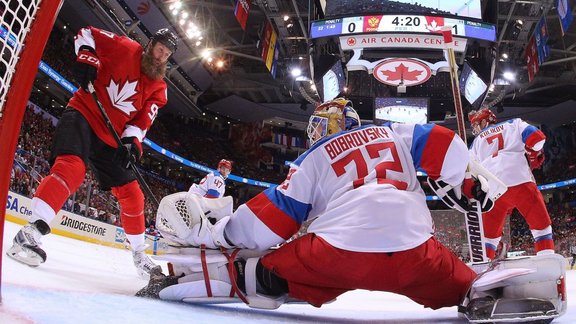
<point x="24" y="29"/>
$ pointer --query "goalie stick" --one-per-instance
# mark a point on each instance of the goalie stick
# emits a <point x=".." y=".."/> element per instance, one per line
<point x="108" y="123"/>
<point x="473" y="219"/>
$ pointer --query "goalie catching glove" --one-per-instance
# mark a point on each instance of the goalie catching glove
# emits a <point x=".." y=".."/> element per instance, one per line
<point x="187" y="219"/>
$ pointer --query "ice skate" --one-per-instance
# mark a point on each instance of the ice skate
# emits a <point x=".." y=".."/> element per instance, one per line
<point x="144" y="266"/>
<point x="26" y="245"/>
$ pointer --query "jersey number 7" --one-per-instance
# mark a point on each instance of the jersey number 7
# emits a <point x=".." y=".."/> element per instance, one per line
<point x="499" y="139"/>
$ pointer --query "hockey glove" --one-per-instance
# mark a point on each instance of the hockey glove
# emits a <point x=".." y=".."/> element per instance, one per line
<point x="129" y="152"/>
<point x="86" y="67"/>
<point x="535" y="158"/>
<point x="477" y="188"/>
<point x="451" y="196"/>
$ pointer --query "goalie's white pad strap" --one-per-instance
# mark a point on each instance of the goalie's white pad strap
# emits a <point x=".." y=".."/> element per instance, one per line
<point x="195" y="289"/>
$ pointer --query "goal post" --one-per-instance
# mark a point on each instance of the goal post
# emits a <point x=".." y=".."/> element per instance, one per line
<point x="24" y="29"/>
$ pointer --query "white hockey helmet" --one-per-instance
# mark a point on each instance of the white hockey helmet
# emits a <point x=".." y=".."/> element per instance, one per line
<point x="330" y="118"/>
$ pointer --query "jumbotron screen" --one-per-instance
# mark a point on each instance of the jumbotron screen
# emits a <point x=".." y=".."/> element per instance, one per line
<point x="339" y="8"/>
<point x="401" y="110"/>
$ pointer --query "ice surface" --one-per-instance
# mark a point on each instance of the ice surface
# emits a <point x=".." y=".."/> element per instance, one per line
<point x="88" y="283"/>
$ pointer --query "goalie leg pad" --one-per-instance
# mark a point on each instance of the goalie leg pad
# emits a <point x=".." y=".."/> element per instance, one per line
<point x="219" y="278"/>
<point x="521" y="281"/>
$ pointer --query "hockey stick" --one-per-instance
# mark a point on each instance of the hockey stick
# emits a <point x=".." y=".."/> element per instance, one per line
<point x="473" y="219"/>
<point x="108" y="123"/>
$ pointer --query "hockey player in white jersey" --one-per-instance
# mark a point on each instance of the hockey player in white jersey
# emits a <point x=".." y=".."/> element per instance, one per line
<point x="213" y="185"/>
<point x="371" y="228"/>
<point x="510" y="150"/>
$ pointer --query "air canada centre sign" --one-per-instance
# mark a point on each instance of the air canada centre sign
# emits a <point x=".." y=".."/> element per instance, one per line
<point x="409" y="72"/>
<point x="427" y="41"/>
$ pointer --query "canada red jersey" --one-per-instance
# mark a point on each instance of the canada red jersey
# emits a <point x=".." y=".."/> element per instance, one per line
<point x="130" y="98"/>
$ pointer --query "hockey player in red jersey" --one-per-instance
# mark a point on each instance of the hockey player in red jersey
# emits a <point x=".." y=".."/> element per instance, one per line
<point x="128" y="81"/>
<point x="213" y="185"/>
<point x="510" y="150"/>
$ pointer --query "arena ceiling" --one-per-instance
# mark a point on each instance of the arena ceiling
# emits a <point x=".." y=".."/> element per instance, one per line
<point x="245" y="90"/>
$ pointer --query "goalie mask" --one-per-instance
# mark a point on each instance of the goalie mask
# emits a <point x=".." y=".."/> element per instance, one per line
<point x="481" y="119"/>
<point x="330" y="118"/>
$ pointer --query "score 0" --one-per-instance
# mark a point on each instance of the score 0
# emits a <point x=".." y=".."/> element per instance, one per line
<point x="352" y="25"/>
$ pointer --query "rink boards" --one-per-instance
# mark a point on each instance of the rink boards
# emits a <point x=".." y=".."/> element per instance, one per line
<point x="71" y="225"/>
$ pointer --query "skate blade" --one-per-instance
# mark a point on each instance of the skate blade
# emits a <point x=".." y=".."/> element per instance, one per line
<point x="25" y="255"/>
<point x="145" y="275"/>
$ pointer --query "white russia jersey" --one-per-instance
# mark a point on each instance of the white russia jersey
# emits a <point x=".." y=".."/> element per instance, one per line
<point x="500" y="148"/>
<point x="360" y="187"/>
<point x="212" y="185"/>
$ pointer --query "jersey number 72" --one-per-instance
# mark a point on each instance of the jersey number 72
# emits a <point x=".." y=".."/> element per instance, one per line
<point x="373" y="150"/>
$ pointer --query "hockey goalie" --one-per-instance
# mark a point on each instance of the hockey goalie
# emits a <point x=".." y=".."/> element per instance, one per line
<point x="370" y="229"/>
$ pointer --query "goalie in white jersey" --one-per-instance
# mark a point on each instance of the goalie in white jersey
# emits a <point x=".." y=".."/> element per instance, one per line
<point x="371" y="227"/>
<point x="510" y="150"/>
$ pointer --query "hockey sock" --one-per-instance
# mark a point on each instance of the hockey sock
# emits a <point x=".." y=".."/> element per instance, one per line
<point x="131" y="200"/>
<point x="65" y="177"/>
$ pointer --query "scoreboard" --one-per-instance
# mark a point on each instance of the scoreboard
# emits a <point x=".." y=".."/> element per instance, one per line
<point x="401" y="23"/>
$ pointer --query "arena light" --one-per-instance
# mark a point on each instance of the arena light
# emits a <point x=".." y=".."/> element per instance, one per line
<point x="509" y="75"/>
<point x="296" y="72"/>
<point x="206" y="53"/>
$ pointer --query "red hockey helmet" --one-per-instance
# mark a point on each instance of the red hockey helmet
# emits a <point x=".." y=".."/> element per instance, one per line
<point x="225" y="167"/>
<point x="477" y="117"/>
<point x="225" y="163"/>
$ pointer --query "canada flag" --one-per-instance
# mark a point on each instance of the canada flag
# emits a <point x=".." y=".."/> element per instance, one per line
<point x="434" y="24"/>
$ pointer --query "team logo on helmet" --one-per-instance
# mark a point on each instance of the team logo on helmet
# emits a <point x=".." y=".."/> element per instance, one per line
<point x="330" y="118"/>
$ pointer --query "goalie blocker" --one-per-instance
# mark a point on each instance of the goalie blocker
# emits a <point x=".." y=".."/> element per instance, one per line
<point x="476" y="195"/>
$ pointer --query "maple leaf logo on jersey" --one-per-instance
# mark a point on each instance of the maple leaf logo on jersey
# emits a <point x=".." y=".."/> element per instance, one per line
<point x="120" y="95"/>
<point x="401" y="72"/>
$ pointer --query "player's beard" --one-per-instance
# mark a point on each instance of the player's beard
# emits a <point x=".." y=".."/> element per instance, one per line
<point x="151" y="69"/>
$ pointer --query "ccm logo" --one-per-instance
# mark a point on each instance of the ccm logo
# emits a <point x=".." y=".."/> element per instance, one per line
<point x="89" y="59"/>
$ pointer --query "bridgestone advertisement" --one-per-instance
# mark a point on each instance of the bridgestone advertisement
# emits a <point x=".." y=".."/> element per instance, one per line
<point x="18" y="208"/>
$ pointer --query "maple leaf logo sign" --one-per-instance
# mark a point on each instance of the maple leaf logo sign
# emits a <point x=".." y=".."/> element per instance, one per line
<point x="120" y="95"/>
<point x="408" y="72"/>
<point x="401" y="73"/>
